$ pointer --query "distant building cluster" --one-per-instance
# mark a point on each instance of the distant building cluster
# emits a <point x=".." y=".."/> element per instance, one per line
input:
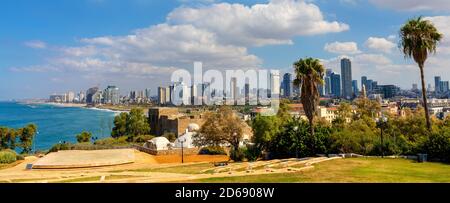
<point x="110" y="95"/>
<point x="236" y="93"/>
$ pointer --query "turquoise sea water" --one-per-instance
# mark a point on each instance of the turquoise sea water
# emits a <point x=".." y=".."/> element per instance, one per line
<point x="56" y="124"/>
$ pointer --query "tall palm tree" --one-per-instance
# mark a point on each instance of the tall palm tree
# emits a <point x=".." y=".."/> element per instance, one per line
<point x="309" y="74"/>
<point x="418" y="38"/>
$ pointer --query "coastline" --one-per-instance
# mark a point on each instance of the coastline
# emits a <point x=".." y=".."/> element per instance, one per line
<point x="74" y="105"/>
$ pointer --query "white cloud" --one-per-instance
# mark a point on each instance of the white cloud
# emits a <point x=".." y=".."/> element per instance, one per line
<point x="276" y="22"/>
<point x="413" y="5"/>
<point x="380" y="44"/>
<point x="216" y="34"/>
<point x="154" y="50"/>
<point x="36" y="44"/>
<point x="342" y="47"/>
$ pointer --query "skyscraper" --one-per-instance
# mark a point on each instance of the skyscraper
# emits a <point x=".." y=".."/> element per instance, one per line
<point x="355" y="88"/>
<point x="364" y="81"/>
<point x="437" y="84"/>
<point x="335" y="85"/>
<point x="111" y="95"/>
<point x="274" y="83"/>
<point x="444" y="86"/>
<point x="90" y="94"/>
<point x="369" y="87"/>
<point x="346" y="71"/>
<point x="287" y="84"/>
<point x="328" y="81"/>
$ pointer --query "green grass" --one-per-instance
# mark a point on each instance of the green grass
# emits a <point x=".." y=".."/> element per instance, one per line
<point x="77" y="180"/>
<point x="359" y="170"/>
<point x="118" y="177"/>
<point x="186" y="169"/>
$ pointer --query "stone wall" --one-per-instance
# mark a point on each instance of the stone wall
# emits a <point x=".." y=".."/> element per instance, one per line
<point x="190" y="151"/>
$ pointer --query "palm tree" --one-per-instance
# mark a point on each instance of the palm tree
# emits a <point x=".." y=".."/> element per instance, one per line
<point x="418" y="38"/>
<point x="309" y="74"/>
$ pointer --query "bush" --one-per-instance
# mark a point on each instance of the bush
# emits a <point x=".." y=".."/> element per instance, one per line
<point x="20" y="157"/>
<point x="84" y="137"/>
<point x="7" y="157"/>
<point x="142" y="138"/>
<point x="120" y="141"/>
<point x="238" y="155"/>
<point x="213" y="150"/>
<point x="170" y="136"/>
<point x="60" y="146"/>
<point x="252" y="153"/>
<point x="437" y="146"/>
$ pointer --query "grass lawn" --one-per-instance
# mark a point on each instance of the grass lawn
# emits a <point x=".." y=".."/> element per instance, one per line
<point x="355" y="170"/>
<point x="186" y="169"/>
<point x="76" y="180"/>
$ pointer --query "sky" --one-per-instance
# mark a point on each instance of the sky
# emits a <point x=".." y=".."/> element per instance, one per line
<point x="55" y="46"/>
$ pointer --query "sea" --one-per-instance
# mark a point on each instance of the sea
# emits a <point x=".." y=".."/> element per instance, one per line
<point x="55" y="123"/>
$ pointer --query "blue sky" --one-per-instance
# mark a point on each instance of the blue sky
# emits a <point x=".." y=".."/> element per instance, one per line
<point x="55" y="46"/>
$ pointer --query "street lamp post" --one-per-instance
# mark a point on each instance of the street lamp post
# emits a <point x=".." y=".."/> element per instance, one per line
<point x="182" y="149"/>
<point x="382" y="122"/>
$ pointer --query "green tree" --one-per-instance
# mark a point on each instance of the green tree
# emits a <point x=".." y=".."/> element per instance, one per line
<point x="26" y="136"/>
<point x="419" y="38"/>
<point x="84" y="137"/>
<point x="130" y="124"/>
<point x="265" y="128"/>
<point x="309" y="74"/>
<point x="4" y="140"/>
<point x="137" y="123"/>
<point x="120" y="125"/>
<point x="221" y="127"/>
<point x="367" y="108"/>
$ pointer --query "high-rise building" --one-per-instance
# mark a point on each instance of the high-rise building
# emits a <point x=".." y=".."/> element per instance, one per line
<point x="275" y="83"/>
<point x="111" y="95"/>
<point x="415" y="87"/>
<point x="287" y="85"/>
<point x="327" y="81"/>
<point x="335" y="85"/>
<point x="369" y="87"/>
<point x="444" y="86"/>
<point x="346" y="72"/>
<point x="70" y="96"/>
<point x="388" y="91"/>
<point x="374" y="85"/>
<point x="327" y="85"/>
<point x="234" y="91"/>
<point x="163" y="95"/>
<point x="355" y="88"/>
<point x="364" y="81"/>
<point x="437" y="84"/>
<point x="90" y="93"/>
<point x="148" y="94"/>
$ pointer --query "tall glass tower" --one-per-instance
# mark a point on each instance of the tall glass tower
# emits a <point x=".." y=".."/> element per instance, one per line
<point x="346" y="72"/>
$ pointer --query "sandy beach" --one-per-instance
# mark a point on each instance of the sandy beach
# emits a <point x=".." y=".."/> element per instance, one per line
<point x="65" y="104"/>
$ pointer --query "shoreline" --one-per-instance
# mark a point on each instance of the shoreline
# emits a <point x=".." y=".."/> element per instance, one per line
<point x="74" y="105"/>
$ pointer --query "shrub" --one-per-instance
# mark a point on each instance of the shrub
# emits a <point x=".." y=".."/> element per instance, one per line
<point x="252" y="153"/>
<point x="238" y="155"/>
<point x="20" y="157"/>
<point x="213" y="150"/>
<point x="142" y="138"/>
<point x="437" y="146"/>
<point x="60" y="146"/>
<point x="84" y="137"/>
<point x="170" y="136"/>
<point x="7" y="157"/>
<point x="120" y="141"/>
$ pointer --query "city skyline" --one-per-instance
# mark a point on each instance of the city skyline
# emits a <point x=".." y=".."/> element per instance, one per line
<point x="97" y="43"/>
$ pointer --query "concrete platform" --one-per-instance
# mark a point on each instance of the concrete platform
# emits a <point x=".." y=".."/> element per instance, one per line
<point x="85" y="159"/>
